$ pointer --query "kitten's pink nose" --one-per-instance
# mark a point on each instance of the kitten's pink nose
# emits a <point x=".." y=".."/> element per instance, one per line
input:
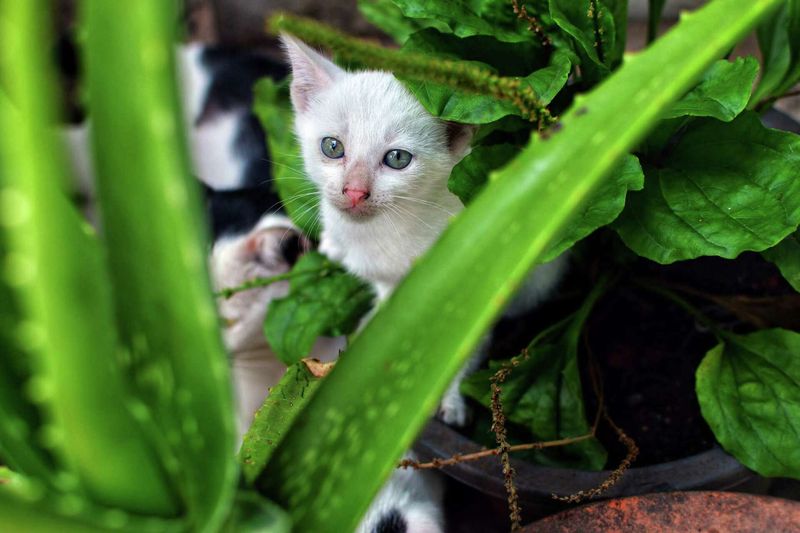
<point x="356" y="195"/>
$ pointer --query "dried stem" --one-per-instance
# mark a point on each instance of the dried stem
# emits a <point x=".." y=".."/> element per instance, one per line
<point x="422" y="67"/>
<point x="533" y="23"/>
<point x="499" y="429"/>
<point x="615" y="475"/>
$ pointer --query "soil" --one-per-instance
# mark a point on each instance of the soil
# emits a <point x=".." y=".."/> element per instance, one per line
<point x="647" y="348"/>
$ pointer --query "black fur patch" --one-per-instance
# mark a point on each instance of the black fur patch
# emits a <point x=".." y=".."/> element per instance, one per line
<point x="392" y="522"/>
<point x="237" y="211"/>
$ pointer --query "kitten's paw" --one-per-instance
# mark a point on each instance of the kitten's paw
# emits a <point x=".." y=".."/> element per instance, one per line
<point x="454" y="410"/>
<point x="329" y="248"/>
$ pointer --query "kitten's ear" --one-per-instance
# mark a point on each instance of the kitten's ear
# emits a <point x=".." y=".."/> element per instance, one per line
<point x="459" y="136"/>
<point x="311" y="72"/>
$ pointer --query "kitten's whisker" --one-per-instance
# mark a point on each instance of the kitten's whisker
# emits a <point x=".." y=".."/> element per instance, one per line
<point x="408" y="212"/>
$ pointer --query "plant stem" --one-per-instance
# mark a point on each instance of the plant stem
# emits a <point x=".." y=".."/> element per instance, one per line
<point x="263" y="282"/>
<point x="422" y="67"/>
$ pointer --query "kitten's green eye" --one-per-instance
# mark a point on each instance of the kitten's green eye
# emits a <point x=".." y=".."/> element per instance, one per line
<point x="332" y="147"/>
<point x="397" y="159"/>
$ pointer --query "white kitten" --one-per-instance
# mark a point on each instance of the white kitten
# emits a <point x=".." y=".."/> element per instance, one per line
<point x="383" y="182"/>
<point x="381" y="163"/>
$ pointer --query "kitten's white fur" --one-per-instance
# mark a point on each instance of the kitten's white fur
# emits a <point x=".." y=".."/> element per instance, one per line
<point x="371" y="113"/>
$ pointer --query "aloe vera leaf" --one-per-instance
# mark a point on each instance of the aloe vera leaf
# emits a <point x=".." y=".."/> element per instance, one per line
<point x="55" y="270"/>
<point x="274" y="417"/>
<point x="26" y="506"/>
<point x="369" y="409"/>
<point x="152" y="226"/>
<point x="20" y="417"/>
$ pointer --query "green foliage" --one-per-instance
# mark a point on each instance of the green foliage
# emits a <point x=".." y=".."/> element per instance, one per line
<point x="723" y="91"/>
<point x="786" y="255"/>
<point x="780" y="48"/>
<point x="749" y="392"/>
<point x="165" y="316"/>
<point x="122" y="416"/>
<point x="544" y="392"/>
<point x="342" y="436"/>
<point x="325" y="301"/>
<point x="280" y="409"/>
<point x="720" y="190"/>
<point x="654" y="10"/>
<point x="298" y="194"/>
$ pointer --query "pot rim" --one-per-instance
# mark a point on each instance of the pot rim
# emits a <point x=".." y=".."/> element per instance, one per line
<point x="711" y="469"/>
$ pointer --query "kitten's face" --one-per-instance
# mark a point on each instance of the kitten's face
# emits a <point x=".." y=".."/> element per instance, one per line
<point x="367" y="143"/>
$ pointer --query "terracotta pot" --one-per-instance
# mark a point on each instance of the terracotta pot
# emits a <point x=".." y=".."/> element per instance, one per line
<point x="678" y="511"/>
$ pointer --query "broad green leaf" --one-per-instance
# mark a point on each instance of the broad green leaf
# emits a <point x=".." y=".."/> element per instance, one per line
<point x="603" y="206"/>
<point x="472" y="108"/>
<point x="749" y="392"/>
<point x="508" y="59"/>
<point x="337" y="455"/>
<point x="460" y="18"/>
<point x="298" y="194"/>
<point x="722" y="93"/>
<point x="590" y="23"/>
<point x="724" y="188"/>
<point x="786" y="256"/>
<point x="619" y="12"/>
<point x="280" y="408"/>
<point x="322" y="300"/>
<point x="780" y="50"/>
<point x="544" y="393"/>
<point x="387" y="16"/>
<point x="470" y="175"/>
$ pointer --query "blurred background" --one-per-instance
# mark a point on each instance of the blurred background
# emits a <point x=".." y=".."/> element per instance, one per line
<point x="240" y="23"/>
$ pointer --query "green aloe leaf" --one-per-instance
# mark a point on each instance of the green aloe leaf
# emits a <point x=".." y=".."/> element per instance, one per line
<point x="21" y="417"/>
<point x="749" y="392"/>
<point x="780" y="50"/>
<point x="604" y="205"/>
<point x="156" y="251"/>
<point x="786" y="256"/>
<point x="298" y="194"/>
<point x="25" y="505"/>
<point x="272" y="420"/>
<point x="721" y="190"/>
<point x="325" y="301"/>
<point x="56" y="274"/>
<point x="252" y="513"/>
<point x="337" y="455"/>
<point x="544" y="392"/>
<point x="723" y="91"/>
